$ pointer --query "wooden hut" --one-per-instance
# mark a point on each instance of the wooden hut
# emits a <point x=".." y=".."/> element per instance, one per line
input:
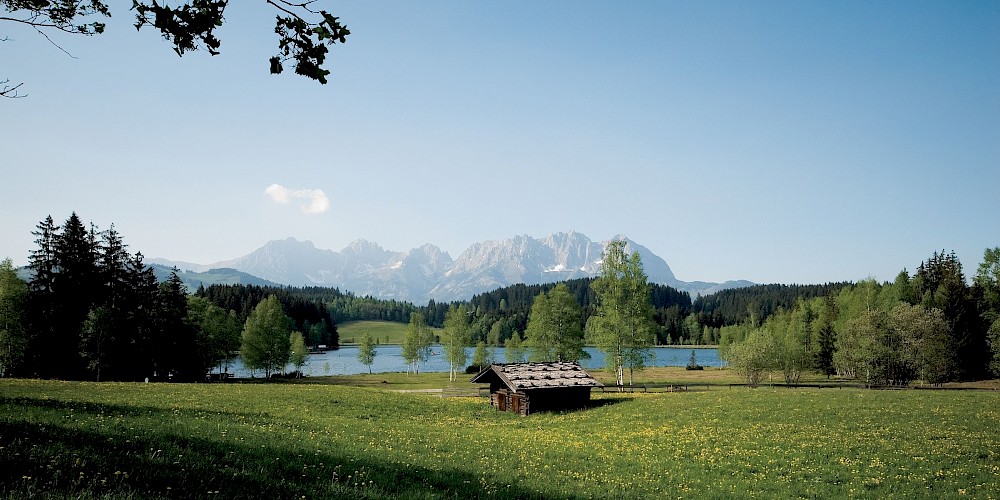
<point x="529" y="387"/>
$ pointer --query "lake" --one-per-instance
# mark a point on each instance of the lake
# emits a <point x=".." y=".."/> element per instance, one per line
<point x="388" y="358"/>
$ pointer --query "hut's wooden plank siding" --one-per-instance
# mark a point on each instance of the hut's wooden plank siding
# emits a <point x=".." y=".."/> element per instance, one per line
<point x="526" y="387"/>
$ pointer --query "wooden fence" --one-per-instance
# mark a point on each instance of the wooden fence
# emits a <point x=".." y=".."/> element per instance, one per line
<point x="657" y="388"/>
<point x="464" y="392"/>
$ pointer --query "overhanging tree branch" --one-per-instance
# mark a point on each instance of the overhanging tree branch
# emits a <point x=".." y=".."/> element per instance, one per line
<point x="9" y="91"/>
<point x="304" y="34"/>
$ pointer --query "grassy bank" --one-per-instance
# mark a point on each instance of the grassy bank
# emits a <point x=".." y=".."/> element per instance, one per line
<point x="655" y="379"/>
<point x="385" y="332"/>
<point x="294" y="440"/>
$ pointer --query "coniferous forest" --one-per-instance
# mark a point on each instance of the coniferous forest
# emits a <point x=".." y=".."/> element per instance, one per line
<point x="90" y="310"/>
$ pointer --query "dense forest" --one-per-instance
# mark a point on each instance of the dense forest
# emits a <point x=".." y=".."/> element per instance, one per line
<point x="680" y="320"/>
<point x="933" y="326"/>
<point x="733" y="306"/>
<point x="91" y="310"/>
<point x="509" y="307"/>
<point x="305" y="306"/>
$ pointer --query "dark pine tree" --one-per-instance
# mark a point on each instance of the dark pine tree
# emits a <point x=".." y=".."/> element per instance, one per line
<point x="110" y="348"/>
<point x="142" y="307"/>
<point x="826" y="337"/>
<point x="940" y="283"/>
<point x="173" y="340"/>
<point x="42" y="305"/>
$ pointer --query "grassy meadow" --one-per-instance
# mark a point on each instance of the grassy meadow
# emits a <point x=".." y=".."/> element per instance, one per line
<point x="386" y="332"/>
<point x="287" y="440"/>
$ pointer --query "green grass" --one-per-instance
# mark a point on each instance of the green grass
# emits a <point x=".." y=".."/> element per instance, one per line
<point x="67" y="439"/>
<point x="386" y="332"/>
<point x="395" y="381"/>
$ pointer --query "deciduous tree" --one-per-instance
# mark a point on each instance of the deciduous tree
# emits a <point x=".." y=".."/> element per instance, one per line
<point x="366" y="351"/>
<point x="988" y="280"/>
<point x="298" y="352"/>
<point x="856" y="345"/>
<point x="622" y="325"/>
<point x="482" y="355"/>
<point x="554" y="332"/>
<point x="514" y="348"/>
<point x="417" y="342"/>
<point x="217" y="332"/>
<point x="13" y="331"/>
<point x="753" y="357"/>
<point x="265" y="339"/>
<point x="455" y="337"/>
<point x="793" y="336"/>
<point x="97" y="336"/>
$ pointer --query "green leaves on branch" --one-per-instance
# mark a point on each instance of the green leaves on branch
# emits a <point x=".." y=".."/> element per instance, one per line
<point x="60" y="15"/>
<point x="189" y="27"/>
<point x="192" y="25"/>
<point x="306" y="44"/>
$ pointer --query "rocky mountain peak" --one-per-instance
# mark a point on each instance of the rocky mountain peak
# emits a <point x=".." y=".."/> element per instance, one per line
<point x="420" y="274"/>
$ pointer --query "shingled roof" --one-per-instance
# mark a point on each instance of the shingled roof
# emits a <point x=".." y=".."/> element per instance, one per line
<point x="520" y="376"/>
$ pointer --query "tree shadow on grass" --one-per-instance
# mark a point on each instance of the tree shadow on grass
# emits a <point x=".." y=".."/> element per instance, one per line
<point x="46" y="453"/>
<point x="598" y="403"/>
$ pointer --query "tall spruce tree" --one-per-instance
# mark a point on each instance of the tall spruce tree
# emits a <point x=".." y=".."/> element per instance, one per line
<point x="70" y="298"/>
<point x="174" y="339"/>
<point x="104" y="343"/>
<point x="42" y="303"/>
<point x="826" y="337"/>
<point x="143" y="310"/>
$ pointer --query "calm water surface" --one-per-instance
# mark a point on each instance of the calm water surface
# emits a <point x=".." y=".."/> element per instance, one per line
<point x="388" y="358"/>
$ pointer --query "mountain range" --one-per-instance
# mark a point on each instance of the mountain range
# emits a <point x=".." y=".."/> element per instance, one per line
<point x="424" y="273"/>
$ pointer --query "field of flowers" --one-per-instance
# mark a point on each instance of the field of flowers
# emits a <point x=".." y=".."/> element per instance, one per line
<point x="310" y="440"/>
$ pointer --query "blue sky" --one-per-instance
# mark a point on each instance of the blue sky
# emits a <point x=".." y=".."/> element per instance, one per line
<point x="788" y="142"/>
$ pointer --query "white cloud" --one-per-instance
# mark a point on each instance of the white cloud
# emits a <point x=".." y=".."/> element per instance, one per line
<point x="310" y="201"/>
<point x="278" y="193"/>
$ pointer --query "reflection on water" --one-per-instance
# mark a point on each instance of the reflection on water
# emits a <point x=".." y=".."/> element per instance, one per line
<point x="344" y="361"/>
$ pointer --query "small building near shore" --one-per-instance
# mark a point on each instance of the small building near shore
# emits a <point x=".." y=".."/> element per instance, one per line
<point x="525" y="388"/>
